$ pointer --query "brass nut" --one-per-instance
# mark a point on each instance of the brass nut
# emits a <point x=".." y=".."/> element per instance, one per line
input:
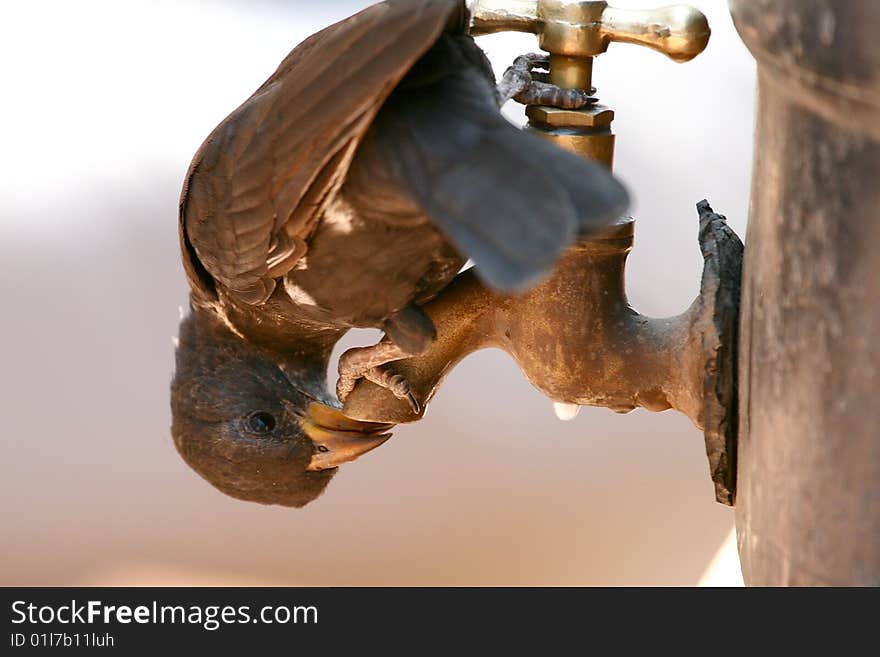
<point x="597" y="116"/>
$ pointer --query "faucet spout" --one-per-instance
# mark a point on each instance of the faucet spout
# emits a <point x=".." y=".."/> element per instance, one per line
<point x="576" y="338"/>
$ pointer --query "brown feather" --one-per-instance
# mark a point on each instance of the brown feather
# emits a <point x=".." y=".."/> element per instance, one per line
<point x="263" y="177"/>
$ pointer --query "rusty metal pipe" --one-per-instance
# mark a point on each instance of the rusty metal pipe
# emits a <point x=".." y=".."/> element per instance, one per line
<point x="808" y="508"/>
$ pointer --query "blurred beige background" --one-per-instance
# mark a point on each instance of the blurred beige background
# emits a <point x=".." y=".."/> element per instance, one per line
<point x="104" y="104"/>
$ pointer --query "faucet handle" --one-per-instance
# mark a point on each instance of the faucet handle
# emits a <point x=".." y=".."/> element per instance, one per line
<point x="680" y="32"/>
<point x="584" y="28"/>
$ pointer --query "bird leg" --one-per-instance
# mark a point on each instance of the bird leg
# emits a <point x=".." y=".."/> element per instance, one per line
<point x="408" y="333"/>
<point x="530" y="87"/>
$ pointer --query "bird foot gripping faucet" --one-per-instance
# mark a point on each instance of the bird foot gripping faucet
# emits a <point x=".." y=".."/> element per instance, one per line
<point x="574" y="336"/>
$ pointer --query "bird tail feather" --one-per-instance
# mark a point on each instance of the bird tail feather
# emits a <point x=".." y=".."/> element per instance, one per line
<point x="509" y="200"/>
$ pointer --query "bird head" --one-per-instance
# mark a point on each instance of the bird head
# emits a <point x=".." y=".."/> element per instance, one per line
<point x="248" y="421"/>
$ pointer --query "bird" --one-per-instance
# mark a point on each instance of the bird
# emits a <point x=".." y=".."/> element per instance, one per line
<point x="346" y="192"/>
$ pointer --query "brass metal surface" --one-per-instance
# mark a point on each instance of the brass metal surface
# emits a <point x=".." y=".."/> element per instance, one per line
<point x="573" y="32"/>
<point x="576" y="338"/>
<point x="596" y="145"/>
<point x="586" y="132"/>
<point x="571" y="72"/>
<point x="586" y="28"/>
<point x="595" y="116"/>
<point x="491" y="16"/>
<point x="680" y="32"/>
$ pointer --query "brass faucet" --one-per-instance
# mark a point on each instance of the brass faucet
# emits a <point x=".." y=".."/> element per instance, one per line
<point x="575" y="336"/>
<point x="576" y="31"/>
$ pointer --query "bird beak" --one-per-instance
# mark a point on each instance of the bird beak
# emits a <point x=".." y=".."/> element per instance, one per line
<point x="339" y="439"/>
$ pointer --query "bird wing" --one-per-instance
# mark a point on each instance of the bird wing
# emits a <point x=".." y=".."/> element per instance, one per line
<point x="258" y="184"/>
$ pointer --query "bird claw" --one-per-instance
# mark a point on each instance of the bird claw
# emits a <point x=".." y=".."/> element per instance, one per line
<point x="542" y="93"/>
<point x="528" y="86"/>
<point x="361" y="363"/>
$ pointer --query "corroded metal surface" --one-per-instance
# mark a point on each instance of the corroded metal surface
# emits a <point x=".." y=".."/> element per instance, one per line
<point x="576" y="338"/>
<point x="808" y="506"/>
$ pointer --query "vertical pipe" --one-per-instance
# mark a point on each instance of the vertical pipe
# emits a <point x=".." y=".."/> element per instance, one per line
<point x="808" y="492"/>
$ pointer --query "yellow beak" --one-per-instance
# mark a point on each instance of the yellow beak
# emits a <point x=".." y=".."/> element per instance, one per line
<point x="338" y="438"/>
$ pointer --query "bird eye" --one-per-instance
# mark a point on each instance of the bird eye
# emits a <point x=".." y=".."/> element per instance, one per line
<point x="260" y="422"/>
